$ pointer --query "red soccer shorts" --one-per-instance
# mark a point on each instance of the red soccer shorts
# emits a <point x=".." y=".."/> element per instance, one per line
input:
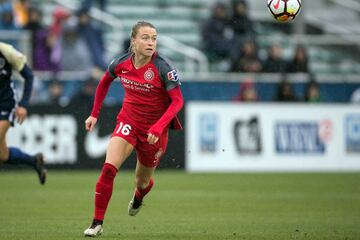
<point x="149" y="155"/>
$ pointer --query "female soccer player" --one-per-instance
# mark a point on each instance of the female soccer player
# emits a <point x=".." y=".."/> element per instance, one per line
<point x="11" y="59"/>
<point x="152" y="100"/>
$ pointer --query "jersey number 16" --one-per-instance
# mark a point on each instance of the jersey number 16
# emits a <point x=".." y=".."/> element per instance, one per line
<point x="124" y="128"/>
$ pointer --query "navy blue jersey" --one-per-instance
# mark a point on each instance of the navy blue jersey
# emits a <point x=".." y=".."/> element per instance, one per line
<point x="7" y="96"/>
<point x="11" y="59"/>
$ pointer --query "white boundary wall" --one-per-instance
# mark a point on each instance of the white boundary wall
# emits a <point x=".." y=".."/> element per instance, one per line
<point x="232" y="137"/>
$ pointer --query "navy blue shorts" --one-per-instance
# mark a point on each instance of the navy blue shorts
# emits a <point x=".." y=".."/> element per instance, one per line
<point x="7" y="114"/>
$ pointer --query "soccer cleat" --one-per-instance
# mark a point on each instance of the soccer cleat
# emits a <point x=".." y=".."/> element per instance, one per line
<point x="40" y="168"/>
<point x="134" y="206"/>
<point x="94" y="230"/>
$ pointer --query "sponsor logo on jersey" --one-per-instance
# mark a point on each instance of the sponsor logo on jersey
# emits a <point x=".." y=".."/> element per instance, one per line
<point x="352" y="133"/>
<point x="149" y="75"/>
<point x="247" y="136"/>
<point x="208" y="126"/>
<point x="172" y="75"/>
<point x="302" y="137"/>
<point x="136" y="85"/>
<point x="2" y="62"/>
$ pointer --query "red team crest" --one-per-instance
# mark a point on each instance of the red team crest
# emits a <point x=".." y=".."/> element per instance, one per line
<point x="149" y="75"/>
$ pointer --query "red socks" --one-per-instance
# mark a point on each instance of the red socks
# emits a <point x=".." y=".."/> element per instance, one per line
<point x="140" y="193"/>
<point x="104" y="188"/>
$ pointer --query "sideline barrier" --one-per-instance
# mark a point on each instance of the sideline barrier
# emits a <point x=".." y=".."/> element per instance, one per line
<point x="60" y="134"/>
<point x="231" y="137"/>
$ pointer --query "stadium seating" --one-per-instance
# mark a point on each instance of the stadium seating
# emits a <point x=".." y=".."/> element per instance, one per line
<point x="181" y="19"/>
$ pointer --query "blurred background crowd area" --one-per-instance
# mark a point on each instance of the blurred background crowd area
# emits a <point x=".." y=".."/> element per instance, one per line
<point x="225" y="50"/>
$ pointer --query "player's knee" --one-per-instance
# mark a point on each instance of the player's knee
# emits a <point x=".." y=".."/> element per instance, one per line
<point x="142" y="182"/>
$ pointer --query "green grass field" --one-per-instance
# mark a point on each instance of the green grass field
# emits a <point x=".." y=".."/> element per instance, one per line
<point x="185" y="206"/>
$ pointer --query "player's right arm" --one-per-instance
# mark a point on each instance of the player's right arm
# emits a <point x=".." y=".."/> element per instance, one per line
<point x="100" y="94"/>
<point x="90" y="123"/>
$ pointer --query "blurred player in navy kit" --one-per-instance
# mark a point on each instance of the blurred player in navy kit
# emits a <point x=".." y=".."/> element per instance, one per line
<point x="152" y="100"/>
<point x="11" y="109"/>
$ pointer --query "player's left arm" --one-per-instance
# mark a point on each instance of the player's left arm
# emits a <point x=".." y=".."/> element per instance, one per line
<point x="177" y="102"/>
<point x="28" y="75"/>
<point x="21" y="111"/>
<point x="171" y="80"/>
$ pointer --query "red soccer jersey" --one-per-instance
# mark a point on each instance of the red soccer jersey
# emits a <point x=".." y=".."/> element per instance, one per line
<point x="146" y="98"/>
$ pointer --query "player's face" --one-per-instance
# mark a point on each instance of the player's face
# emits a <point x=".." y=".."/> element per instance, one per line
<point x="145" y="41"/>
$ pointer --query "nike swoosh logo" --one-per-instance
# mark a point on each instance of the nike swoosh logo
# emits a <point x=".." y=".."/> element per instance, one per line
<point x="276" y="6"/>
<point x="124" y="71"/>
<point x="96" y="146"/>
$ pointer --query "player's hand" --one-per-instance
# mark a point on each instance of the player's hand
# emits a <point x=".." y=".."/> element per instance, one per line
<point x="21" y="114"/>
<point x="152" y="139"/>
<point x="90" y="123"/>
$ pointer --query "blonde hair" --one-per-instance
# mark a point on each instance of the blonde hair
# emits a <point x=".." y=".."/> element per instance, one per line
<point x="135" y="30"/>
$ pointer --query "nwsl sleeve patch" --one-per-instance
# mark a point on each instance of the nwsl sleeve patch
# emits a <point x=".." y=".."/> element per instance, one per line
<point x="172" y="76"/>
